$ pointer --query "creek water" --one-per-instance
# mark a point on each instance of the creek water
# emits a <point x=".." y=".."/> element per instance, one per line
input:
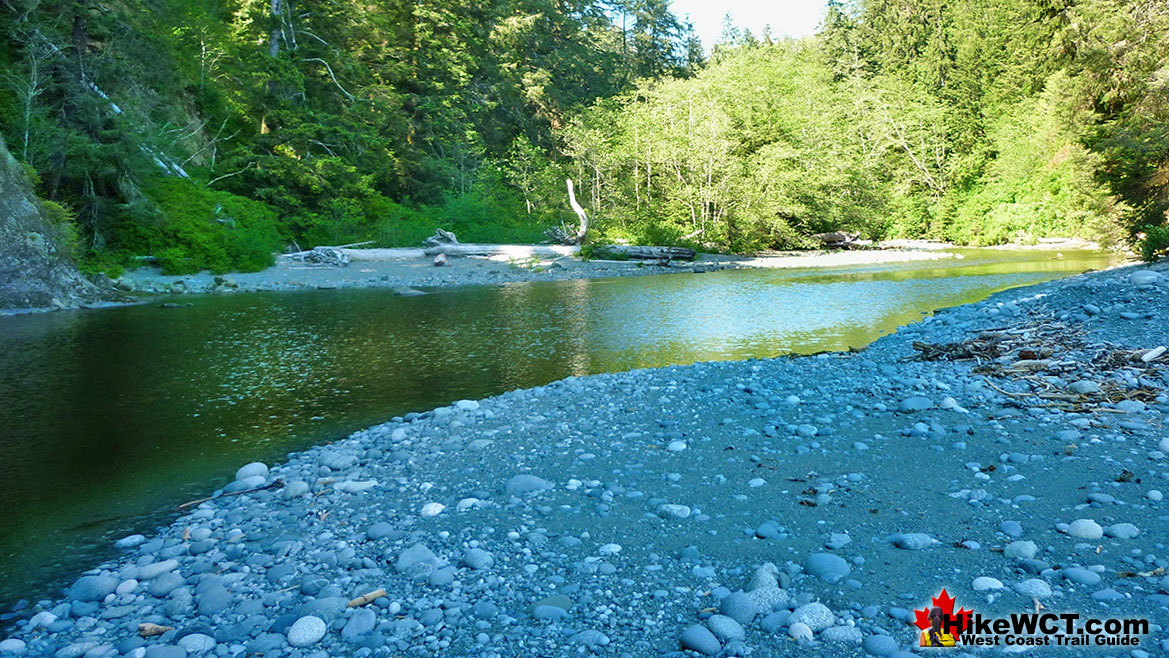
<point x="111" y="418"/>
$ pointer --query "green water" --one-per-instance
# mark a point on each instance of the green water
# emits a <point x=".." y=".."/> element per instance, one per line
<point x="111" y="418"/>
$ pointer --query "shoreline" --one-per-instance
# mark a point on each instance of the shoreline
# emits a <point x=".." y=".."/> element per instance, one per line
<point x="408" y="275"/>
<point x="613" y="512"/>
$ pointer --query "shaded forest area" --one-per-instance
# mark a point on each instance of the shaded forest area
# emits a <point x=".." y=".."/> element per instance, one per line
<point x="211" y="133"/>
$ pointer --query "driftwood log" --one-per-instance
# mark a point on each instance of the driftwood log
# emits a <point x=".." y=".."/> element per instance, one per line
<point x="440" y="238"/>
<point x="836" y="239"/>
<point x="511" y="250"/>
<point x="637" y="252"/>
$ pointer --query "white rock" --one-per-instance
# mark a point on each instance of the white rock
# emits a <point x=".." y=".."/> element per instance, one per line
<point x="354" y="486"/>
<point x="816" y="616"/>
<point x="132" y="541"/>
<point x="254" y="469"/>
<point x="672" y="511"/>
<point x="1035" y="588"/>
<point x="1020" y="550"/>
<point x="469" y="503"/>
<point x="1154" y="495"/>
<point x="467" y="405"/>
<point x="984" y="583"/>
<point x="609" y="549"/>
<point x="1145" y="278"/>
<point x="155" y="569"/>
<point x="1085" y="529"/>
<point x="676" y="446"/>
<point x="13" y="646"/>
<point x="800" y="632"/>
<point x="431" y="509"/>
<point x="1122" y="531"/>
<point x="306" y="631"/>
<point x="197" y="643"/>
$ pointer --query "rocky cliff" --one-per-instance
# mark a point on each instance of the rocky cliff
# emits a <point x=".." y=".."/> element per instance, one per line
<point x="34" y="274"/>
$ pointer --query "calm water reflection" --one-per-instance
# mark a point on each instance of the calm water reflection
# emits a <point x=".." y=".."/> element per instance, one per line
<point x="110" y="418"/>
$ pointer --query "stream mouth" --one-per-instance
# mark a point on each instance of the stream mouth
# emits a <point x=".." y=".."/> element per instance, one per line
<point x="114" y="417"/>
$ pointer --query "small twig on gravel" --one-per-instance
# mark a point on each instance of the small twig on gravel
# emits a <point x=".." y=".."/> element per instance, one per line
<point x="276" y="484"/>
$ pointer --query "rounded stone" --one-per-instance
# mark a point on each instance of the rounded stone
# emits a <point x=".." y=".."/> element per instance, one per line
<point x="197" y="643"/>
<point x="306" y="631"/>
<point x="254" y="469"/>
<point x="1034" y="588"/>
<point x="1122" y="531"/>
<point x="827" y="567"/>
<point x="725" y="628"/>
<point x="842" y="635"/>
<point x="800" y="632"/>
<point x="915" y="403"/>
<point x="1081" y="576"/>
<point x="912" y="541"/>
<point x="738" y="606"/>
<point x="92" y="588"/>
<point x="879" y="645"/>
<point x="1020" y="550"/>
<point x="699" y="638"/>
<point x="985" y="583"/>
<point x="816" y="615"/>
<point x="1085" y="529"/>
<point x="524" y="484"/>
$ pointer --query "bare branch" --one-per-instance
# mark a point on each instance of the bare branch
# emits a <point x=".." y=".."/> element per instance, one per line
<point x="234" y="173"/>
<point x="328" y="68"/>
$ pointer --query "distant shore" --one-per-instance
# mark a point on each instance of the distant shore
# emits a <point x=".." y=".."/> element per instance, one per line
<point x="419" y="272"/>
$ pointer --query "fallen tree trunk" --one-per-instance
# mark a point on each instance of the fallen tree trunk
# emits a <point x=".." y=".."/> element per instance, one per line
<point x="510" y="250"/>
<point x="637" y="252"/>
<point x="836" y="240"/>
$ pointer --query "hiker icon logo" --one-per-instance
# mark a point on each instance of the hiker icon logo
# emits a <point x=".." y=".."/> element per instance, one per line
<point x="940" y="626"/>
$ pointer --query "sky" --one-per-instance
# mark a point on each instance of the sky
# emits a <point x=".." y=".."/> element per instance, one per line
<point x="793" y="18"/>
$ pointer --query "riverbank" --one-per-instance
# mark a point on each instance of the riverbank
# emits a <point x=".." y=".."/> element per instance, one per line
<point x="617" y="513"/>
<point x="412" y="275"/>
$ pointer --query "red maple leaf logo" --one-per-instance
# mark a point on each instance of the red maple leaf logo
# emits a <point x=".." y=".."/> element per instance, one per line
<point x="946" y="603"/>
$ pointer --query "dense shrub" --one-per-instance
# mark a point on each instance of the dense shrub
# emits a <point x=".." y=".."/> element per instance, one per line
<point x="200" y="229"/>
<point x="1155" y="243"/>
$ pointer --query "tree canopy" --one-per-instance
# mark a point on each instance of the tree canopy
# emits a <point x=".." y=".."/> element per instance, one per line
<point x="210" y="133"/>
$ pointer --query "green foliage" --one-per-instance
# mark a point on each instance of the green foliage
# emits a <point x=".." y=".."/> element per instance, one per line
<point x="199" y="229"/>
<point x="64" y="224"/>
<point x="982" y="122"/>
<point x="1155" y="243"/>
<point x="349" y="122"/>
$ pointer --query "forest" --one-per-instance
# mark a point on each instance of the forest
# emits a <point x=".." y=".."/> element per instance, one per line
<point x="210" y="134"/>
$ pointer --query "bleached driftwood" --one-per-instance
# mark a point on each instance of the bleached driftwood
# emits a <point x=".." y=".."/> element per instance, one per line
<point x="637" y="252"/>
<point x="441" y="237"/>
<point x="836" y="239"/>
<point x="507" y="250"/>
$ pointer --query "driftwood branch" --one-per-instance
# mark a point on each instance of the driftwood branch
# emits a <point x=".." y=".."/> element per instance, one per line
<point x="275" y="484"/>
<point x="367" y="598"/>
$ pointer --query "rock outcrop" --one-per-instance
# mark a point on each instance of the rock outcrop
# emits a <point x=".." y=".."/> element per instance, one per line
<point x="33" y="272"/>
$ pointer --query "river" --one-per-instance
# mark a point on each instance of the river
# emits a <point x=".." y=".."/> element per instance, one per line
<point x="111" y="418"/>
